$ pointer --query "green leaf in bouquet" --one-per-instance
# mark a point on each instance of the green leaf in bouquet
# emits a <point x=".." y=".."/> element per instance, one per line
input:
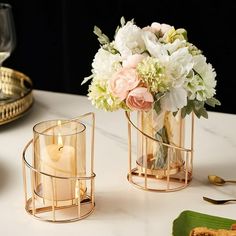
<point x="162" y="136"/>
<point x="189" y="107"/>
<point x="213" y="102"/>
<point x="183" y="112"/>
<point x="157" y="105"/>
<point x="86" y="79"/>
<point x="122" y="21"/>
<point x="102" y="38"/>
<point x="203" y="112"/>
<point x="175" y="113"/>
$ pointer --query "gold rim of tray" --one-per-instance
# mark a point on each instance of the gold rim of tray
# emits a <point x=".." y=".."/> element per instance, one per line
<point x="15" y="95"/>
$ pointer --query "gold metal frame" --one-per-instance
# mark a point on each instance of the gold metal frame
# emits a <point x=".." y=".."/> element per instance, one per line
<point x="165" y="180"/>
<point x="46" y="210"/>
<point x="16" y="89"/>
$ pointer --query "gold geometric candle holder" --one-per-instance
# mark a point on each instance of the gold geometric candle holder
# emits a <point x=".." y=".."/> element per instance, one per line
<point x="162" y="162"/>
<point x="58" y="178"/>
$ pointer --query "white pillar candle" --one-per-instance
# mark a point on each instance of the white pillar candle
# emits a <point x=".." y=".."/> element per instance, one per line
<point x="58" y="160"/>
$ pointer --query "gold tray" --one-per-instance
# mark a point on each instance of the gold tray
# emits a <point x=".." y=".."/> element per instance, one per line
<point x="15" y="94"/>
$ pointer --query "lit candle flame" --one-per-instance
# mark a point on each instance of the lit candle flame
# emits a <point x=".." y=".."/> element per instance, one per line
<point x="59" y="138"/>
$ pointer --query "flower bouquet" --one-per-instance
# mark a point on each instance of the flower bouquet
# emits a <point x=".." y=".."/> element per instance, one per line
<point x="151" y="67"/>
<point x="153" y="70"/>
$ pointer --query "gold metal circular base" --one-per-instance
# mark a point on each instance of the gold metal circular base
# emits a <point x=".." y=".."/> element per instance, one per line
<point x="150" y="182"/>
<point x="158" y="173"/>
<point x="47" y="213"/>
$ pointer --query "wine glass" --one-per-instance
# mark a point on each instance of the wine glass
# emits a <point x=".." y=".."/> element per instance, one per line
<point x="7" y="35"/>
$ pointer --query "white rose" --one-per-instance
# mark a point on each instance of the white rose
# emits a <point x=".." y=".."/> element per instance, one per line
<point x="128" y="40"/>
<point x="154" y="47"/>
<point x="179" y="65"/>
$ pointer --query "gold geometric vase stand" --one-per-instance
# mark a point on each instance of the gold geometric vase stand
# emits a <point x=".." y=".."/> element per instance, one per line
<point x="172" y="177"/>
<point x="77" y="207"/>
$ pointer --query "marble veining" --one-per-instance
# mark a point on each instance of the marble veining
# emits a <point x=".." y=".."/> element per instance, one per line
<point x="121" y="209"/>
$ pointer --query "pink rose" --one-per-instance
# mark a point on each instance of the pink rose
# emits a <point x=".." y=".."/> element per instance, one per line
<point x="139" y="99"/>
<point x="133" y="60"/>
<point x="122" y="82"/>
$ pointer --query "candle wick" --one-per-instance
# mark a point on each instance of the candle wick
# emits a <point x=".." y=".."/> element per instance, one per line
<point x="60" y="148"/>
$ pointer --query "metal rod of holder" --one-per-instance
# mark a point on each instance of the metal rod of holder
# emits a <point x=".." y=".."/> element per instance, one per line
<point x="32" y="190"/>
<point x="129" y="150"/>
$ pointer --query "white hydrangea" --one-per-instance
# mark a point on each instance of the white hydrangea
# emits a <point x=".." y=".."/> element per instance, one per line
<point x="128" y="40"/>
<point x="105" y="64"/>
<point x="201" y="85"/>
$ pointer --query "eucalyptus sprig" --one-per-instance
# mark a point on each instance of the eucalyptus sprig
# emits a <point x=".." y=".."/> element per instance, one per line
<point x="102" y="38"/>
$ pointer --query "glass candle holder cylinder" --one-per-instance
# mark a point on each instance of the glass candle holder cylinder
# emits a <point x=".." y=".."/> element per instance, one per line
<point x="164" y="150"/>
<point x="162" y="128"/>
<point x="59" y="150"/>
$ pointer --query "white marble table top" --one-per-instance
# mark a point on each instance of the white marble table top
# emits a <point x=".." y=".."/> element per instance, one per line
<point x="121" y="209"/>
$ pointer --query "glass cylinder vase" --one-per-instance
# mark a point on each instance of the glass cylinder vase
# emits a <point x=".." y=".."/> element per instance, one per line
<point x="59" y="150"/>
<point x="168" y="130"/>
<point x="162" y="162"/>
